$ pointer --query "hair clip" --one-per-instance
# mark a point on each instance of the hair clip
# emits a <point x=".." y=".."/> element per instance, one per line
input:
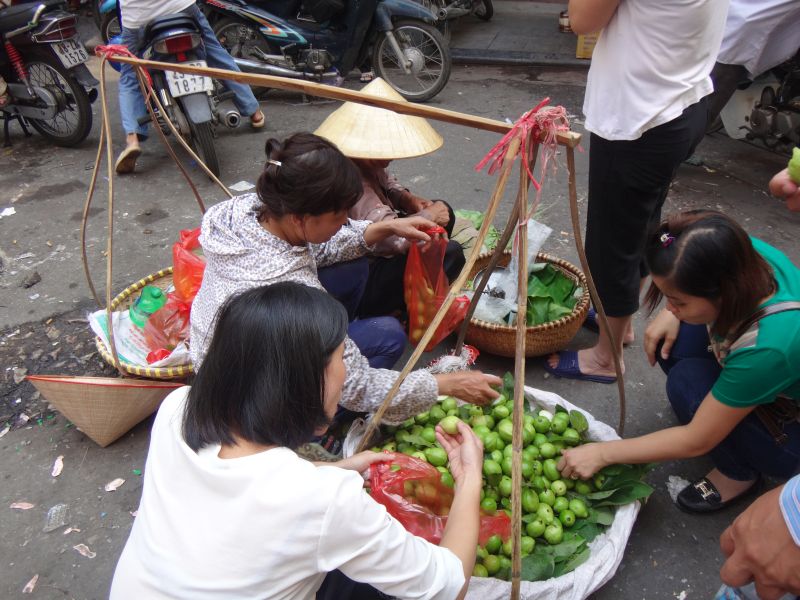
<point x="666" y="239"/>
<point x="272" y="161"/>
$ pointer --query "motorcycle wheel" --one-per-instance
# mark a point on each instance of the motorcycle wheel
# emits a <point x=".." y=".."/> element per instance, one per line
<point x="203" y="143"/>
<point x="73" y="122"/>
<point x="424" y="46"/>
<point x="484" y="10"/>
<point x="109" y="26"/>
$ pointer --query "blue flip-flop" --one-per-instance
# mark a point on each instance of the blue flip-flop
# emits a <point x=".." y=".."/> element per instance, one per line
<point x="568" y="368"/>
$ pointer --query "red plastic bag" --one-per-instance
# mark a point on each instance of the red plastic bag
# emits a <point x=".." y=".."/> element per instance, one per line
<point x="168" y="326"/>
<point x="187" y="267"/>
<point x="425" y="287"/>
<point x="413" y="493"/>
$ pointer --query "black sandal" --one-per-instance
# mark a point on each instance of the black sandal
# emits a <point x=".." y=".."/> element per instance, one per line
<point x="701" y="497"/>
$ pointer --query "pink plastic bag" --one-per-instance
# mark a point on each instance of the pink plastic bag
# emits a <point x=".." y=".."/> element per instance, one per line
<point x="187" y="267"/>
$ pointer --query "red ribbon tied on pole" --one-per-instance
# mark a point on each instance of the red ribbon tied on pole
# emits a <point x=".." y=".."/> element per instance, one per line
<point x="540" y="125"/>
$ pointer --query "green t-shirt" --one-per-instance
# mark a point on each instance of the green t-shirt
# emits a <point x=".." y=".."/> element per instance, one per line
<point x="768" y="363"/>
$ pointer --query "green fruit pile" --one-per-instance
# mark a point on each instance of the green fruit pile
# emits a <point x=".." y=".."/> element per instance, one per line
<point x="560" y="516"/>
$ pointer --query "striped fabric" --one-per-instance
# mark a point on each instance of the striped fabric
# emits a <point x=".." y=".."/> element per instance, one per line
<point x="790" y="506"/>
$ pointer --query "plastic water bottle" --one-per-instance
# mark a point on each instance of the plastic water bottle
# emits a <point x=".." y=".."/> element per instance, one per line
<point x="149" y="301"/>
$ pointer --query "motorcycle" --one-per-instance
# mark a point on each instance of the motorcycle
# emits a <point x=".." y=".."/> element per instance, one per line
<point x="49" y="85"/>
<point x="766" y="109"/>
<point x="324" y="40"/>
<point x="191" y="102"/>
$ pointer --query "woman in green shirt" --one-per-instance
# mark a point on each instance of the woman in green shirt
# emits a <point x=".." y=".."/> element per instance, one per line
<point x="714" y="277"/>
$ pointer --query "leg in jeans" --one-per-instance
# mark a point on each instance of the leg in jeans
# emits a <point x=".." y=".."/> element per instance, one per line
<point x="380" y="339"/>
<point x="131" y="102"/>
<point x="218" y="57"/>
<point x="346" y="282"/>
<point x="749" y="449"/>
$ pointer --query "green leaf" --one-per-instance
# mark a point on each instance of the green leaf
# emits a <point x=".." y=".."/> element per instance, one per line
<point x="418" y="440"/>
<point x="587" y="530"/>
<point x="561" y="289"/>
<point x="508" y="385"/>
<point x="473" y="216"/>
<point x="556" y="311"/>
<point x="630" y="492"/>
<point x="578" y="421"/>
<point x="601" y="495"/>
<point x="573" y="563"/>
<point x="568" y="547"/>
<point x="622" y="474"/>
<point x="602" y="515"/>
<point x="537" y="567"/>
<point x="538" y="309"/>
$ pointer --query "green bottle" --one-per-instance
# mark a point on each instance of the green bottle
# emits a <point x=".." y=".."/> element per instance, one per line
<point x="151" y="299"/>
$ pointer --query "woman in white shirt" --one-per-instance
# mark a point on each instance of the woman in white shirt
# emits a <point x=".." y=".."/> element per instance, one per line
<point x="645" y="107"/>
<point x="229" y="511"/>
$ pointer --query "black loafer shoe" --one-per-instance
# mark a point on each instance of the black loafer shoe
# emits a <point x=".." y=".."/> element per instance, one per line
<point x="702" y="497"/>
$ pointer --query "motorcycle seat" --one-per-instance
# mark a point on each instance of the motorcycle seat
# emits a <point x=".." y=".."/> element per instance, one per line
<point x="20" y="15"/>
<point x="169" y="22"/>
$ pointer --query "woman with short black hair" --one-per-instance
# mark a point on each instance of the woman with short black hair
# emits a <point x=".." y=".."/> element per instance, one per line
<point x="228" y="511"/>
<point x="729" y="341"/>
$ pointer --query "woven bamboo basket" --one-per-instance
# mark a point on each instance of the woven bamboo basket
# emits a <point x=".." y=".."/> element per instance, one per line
<point x="123" y="301"/>
<point x="540" y="339"/>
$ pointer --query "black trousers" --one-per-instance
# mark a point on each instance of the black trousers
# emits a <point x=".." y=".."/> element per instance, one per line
<point x="628" y="183"/>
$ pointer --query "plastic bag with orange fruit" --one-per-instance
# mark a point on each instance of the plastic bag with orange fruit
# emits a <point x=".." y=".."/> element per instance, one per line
<point x="425" y="288"/>
<point x="413" y="492"/>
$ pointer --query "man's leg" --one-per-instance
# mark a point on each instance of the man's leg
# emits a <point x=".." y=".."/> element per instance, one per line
<point x="218" y="57"/>
<point x="380" y="339"/>
<point x="131" y="105"/>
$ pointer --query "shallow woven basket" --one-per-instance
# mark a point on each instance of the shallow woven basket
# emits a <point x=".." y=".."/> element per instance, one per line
<point x="540" y="339"/>
<point x="122" y="301"/>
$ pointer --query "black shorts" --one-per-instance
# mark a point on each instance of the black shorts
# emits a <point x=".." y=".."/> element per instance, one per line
<point x="628" y="183"/>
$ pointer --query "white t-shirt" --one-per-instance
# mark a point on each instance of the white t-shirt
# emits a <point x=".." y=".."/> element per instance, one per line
<point x="269" y="525"/>
<point x="651" y="61"/>
<point x="138" y="13"/>
<point x="760" y="34"/>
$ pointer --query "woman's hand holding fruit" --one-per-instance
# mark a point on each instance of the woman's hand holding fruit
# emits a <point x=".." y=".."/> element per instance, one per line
<point x="463" y="447"/>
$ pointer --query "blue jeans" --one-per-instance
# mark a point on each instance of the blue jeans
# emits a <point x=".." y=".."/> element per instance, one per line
<point x="749" y="450"/>
<point x="131" y="102"/>
<point x="380" y="339"/>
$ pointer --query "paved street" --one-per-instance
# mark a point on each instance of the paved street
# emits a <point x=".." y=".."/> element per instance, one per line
<point x="670" y="554"/>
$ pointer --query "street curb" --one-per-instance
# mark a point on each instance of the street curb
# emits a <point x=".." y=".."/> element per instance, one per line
<point x="513" y="57"/>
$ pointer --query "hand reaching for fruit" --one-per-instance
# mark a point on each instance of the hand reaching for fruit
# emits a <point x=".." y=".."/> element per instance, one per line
<point x="463" y="447"/>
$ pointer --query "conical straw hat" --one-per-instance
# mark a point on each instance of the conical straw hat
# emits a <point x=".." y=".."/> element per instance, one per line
<point x="104" y="408"/>
<point x="362" y="131"/>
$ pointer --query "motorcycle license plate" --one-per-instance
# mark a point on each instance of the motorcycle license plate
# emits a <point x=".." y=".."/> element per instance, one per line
<point x="181" y="84"/>
<point x="70" y="53"/>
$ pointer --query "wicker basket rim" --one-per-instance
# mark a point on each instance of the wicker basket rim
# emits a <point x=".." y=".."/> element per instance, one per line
<point x="172" y="372"/>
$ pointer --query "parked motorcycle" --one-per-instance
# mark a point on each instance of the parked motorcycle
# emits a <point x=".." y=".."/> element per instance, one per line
<point x="766" y="109"/>
<point x="325" y="40"/>
<point x="191" y="102"/>
<point x="447" y="10"/>
<point x="43" y="64"/>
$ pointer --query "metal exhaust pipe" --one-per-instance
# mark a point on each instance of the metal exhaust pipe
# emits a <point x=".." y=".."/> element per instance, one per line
<point x="252" y="66"/>
<point x="231" y="118"/>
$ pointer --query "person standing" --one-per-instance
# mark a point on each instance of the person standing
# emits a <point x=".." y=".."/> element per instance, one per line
<point x="646" y="110"/>
<point x="135" y="15"/>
